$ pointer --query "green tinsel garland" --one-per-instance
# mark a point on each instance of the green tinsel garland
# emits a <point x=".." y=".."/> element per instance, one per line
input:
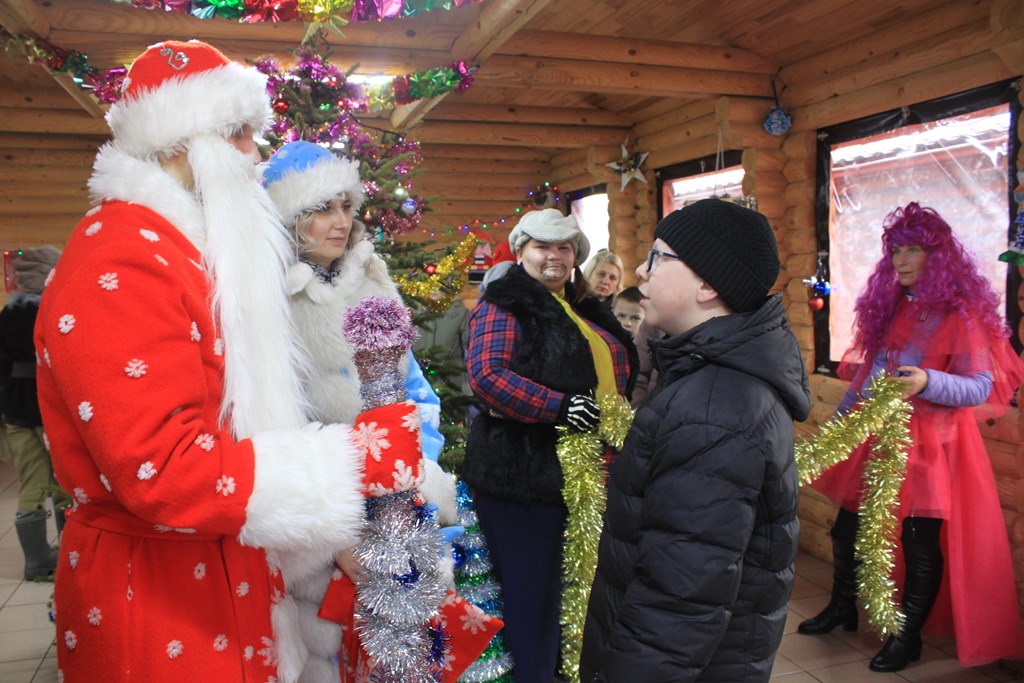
<point x="884" y="417"/>
<point x="581" y="455"/>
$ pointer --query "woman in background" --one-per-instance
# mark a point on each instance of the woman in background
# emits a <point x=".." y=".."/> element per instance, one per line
<point x="604" y="275"/>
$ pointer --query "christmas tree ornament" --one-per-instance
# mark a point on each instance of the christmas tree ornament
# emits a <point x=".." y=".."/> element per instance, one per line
<point x="409" y="207"/>
<point x="815" y="303"/>
<point x="1015" y="254"/>
<point x="883" y="417"/>
<point x="430" y="268"/>
<point x="818" y="285"/>
<point x="281" y="106"/>
<point x="777" y="122"/>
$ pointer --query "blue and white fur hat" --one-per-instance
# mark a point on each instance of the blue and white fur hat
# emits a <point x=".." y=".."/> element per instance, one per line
<point x="302" y="174"/>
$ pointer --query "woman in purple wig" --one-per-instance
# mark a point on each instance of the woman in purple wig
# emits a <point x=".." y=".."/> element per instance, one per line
<point x="930" y="319"/>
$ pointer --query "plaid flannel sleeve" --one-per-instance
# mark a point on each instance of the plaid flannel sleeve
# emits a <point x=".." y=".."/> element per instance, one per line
<point x="493" y="334"/>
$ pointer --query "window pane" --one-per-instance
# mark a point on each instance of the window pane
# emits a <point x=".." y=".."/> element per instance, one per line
<point x="957" y="166"/>
<point x="677" y="192"/>
<point x="591" y="212"/>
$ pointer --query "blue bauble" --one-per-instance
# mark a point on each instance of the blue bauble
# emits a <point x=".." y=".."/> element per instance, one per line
<point x="822" y="287"/>
<point x="459" y="555"/>
<point x="409" y="207"/>
<point x="778" y="122"/>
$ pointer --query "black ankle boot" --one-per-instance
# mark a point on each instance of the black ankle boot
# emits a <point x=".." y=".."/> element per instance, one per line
<point x="922" y="552"/>
<point x="897" y="652"/>
<point x="842" y="608"/>
<point x="40" y="560"/>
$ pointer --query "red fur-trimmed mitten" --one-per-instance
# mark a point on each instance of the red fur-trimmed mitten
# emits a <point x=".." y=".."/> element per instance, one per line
<point x="390" y="439"/>
<point x="469" y="630"/>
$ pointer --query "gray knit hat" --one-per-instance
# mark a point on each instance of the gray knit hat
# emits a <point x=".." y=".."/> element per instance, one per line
<point x="33" y="267"/>
<point x="731" y="248"/>
<point x="549" y="225"/>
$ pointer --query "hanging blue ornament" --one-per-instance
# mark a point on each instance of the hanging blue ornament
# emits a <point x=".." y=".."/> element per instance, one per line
<point x="409" y="207"/>
<point x="459" y="555"/>
<point x="778" y="122"/>
<point x="822" y="288"/>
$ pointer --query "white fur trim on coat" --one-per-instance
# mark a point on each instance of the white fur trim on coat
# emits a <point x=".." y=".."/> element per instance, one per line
<point x="307" y="492"/>
<point x="291" y="651"/>
<point x="300" y="191"/>
<point x="217" y="100"/>
<point x="438" y="487"/>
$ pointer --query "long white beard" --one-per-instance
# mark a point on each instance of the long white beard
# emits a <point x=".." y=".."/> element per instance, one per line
<point x="246" y="255"/>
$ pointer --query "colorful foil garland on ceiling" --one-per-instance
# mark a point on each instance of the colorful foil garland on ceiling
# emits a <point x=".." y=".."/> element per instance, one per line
<point x="884" y="418"/>
<point x="333" y="12"/>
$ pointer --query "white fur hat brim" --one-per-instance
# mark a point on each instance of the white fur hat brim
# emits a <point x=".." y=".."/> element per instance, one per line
<point x="218" y="100"/>
<point x="298" y="191"/>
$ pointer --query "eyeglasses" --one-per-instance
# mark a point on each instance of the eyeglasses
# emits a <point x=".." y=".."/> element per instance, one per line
<point x="654" y="254"/>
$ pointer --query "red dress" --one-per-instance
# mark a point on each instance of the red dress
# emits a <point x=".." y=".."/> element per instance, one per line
<point x="949" y="476"/>
<point x="152" y="584"/>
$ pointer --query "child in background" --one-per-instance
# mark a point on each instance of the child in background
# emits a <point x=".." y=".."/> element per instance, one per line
<point x="626" y="308"/>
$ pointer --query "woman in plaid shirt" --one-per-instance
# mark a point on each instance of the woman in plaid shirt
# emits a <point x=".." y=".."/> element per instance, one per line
<point x="540" y="352"/>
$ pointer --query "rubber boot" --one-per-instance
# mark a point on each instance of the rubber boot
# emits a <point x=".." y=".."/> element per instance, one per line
<point x="40" y="559"/>
<point x="58" y="520"/>
<point x="922" y="553"/>
<point x="842" y="608"/>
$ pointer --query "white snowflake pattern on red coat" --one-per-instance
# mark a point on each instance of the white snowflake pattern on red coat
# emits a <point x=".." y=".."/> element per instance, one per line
<point x="174" y="649"/>
<point x="268" y="651"/>
<point x="146" y="471"/>
<point x="248" y="652"/>
<point x="85" y="411"/>
<point x="108" y="281"/>
<point x="161" y="260"/>
<point x="73" y="558"/>
<point x="136" y="368"/>
<point x="371" y="439"/>
<point x="93" y="229"/>
<point x="130" y="594"/>
<point x="200" y="571"/>
<point x="149" y="235"/>
<point x="60" y="676"/>
<point x="94" y="616"/>
<point x="474" y="619"/>
<point x="226" y="485"/>
<point x="105" y="481"/>
<point x="218" y="347"/>
<point x="412" y="421"/>
<point x="70" y="639"/>
<point x="80" y="495"/>
<point x="242" y="589"/>
<point x="66" y="323"/>
<point x="94" y="210"/>
<point x="193" y="333"/>
<point x="205" y="442"/>
<point x="220" y="643"/>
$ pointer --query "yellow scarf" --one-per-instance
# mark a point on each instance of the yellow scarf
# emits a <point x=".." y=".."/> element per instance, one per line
<point x="598" y="348"/>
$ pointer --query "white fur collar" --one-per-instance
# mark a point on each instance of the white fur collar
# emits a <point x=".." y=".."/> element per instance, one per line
<point x="118" y="175"/>
<point x="355" y="266"/>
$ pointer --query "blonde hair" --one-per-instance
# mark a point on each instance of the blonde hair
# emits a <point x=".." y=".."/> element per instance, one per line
<point x="606" y="256"/>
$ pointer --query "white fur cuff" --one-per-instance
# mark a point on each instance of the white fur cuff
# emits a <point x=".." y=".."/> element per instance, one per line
<point x="307" y="492"/>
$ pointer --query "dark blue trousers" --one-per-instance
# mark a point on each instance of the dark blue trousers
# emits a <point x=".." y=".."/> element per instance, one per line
<point x="524" y="541"/>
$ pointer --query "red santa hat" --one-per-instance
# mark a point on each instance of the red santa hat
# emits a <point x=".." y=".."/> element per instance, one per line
<point x="176" y="90"/>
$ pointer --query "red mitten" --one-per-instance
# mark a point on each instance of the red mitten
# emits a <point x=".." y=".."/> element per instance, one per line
<point x="469" y="630"/>
<point x="390" y="439"/>
<point x="339" y="600"/>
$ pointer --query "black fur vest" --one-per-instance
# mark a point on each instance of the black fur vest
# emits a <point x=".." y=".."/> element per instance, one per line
<point x="515" y="460"/>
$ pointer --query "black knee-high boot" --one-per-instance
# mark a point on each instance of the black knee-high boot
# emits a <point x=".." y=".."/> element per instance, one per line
<point x="922" y="553"/>
<point x="842" y="608"/>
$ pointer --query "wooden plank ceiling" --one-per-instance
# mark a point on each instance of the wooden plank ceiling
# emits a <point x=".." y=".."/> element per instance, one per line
<point x="554" y="75"/>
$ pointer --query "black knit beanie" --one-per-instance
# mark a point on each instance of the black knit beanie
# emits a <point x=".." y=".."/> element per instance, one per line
<point x="731" y="248"/>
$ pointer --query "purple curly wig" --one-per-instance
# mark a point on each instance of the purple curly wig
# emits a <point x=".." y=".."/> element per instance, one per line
<point x="950" y="280"/>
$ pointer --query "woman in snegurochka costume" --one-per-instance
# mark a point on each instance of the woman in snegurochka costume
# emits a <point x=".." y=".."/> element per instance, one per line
<point x="316" y="194"/>
<point x="929" y="318"/>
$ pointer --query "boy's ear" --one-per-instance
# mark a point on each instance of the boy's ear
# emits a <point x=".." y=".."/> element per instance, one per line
<point x="706" y="293"/>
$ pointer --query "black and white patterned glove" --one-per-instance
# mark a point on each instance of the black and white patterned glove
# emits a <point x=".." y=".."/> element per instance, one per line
<point x="580" y="412"/>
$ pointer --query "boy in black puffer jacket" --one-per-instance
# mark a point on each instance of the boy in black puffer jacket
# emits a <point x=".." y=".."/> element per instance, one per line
<point x="696" y="555"/>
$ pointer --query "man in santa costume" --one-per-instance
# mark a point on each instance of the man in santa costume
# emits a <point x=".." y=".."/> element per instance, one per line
<point x="168" y="383"/>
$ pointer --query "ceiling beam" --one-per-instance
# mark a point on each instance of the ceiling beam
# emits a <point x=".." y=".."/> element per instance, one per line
<point x="628" y="79"/>
<point x="25" y="17"/>
<point x="511" y="113"/>
<point x="556" y="45"/>
<point x="497" y="21"/>
<point x="517" y="134"/>
<point x="59" y="122"/>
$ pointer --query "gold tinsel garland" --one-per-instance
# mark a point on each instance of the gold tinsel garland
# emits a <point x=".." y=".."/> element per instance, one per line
<point x="439" y="289"/>
<point x="581" y="455"/>
<point x="884" y="417"/>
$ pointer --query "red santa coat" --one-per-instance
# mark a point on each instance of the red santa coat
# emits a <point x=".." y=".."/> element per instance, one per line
<point x="153" y="584"/>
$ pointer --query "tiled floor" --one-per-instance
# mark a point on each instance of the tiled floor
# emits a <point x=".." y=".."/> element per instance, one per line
<point x="27" y="652"/>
